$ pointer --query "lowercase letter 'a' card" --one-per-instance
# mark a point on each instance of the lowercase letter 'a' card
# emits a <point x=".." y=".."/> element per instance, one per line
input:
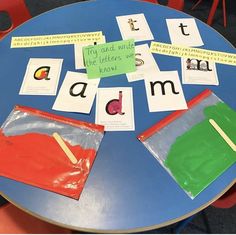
<point x="77" y="93"/>
<point x="41" y="77"/>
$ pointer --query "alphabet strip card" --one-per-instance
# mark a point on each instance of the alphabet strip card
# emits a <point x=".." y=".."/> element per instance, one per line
<point x="164" y="91"/>
<point x="41" y="77"/>
<point x="109" y="59"/>
<point x="114" y="108"/>
<point x="79" y="58"/>
<point x="202" y="72"/>
<point x="184" y="32"/>
<point x="77" y="93"/>
<point x="145" y="63"/>
<point x="134" y="26"/>
<point x="55" y="39"/>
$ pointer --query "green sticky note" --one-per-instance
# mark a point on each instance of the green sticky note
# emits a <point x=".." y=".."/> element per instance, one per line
<point x="110" y="59"/>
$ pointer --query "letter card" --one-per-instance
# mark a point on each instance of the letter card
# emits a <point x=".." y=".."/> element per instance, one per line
<point x="78" y="48"/>
<point x="202" y="72"/>
<point x="184" y="32"/>
<point x="145" y="63"/>
<point x="134" y="27"/>
<point x="41" y="77"/>
<point x="77" y="93"/>
<point x="164" y="91"/>
<point x="114" y="108"/>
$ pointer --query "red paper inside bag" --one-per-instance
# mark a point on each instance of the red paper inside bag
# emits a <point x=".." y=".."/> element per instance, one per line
<point x="38" y="160"/>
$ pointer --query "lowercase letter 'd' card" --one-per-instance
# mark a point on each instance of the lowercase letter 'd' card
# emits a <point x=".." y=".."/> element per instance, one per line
<point x="114" y="108"/>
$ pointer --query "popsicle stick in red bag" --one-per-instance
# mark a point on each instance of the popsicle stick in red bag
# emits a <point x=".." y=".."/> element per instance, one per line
<point x="64" y="147"/>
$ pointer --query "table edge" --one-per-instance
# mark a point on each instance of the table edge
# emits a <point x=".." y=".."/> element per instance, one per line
<point x="134" y="230"/>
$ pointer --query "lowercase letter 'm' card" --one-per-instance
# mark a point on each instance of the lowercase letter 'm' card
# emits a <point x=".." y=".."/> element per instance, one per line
<point x="164" y="92"/>
<point x="202" y="72"/>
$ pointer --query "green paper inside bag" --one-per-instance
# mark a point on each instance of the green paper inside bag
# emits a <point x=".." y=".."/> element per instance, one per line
<point x="200" y="155"/>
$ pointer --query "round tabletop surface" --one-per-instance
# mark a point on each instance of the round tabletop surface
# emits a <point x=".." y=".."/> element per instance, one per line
<point x="127" y="189"/>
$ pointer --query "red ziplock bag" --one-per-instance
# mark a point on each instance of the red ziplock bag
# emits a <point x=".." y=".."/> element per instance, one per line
<point x="30" y="154"/>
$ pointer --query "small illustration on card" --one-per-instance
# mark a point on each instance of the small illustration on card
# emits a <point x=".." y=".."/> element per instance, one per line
<point x="202" y="72"/>
<point x="114" y="108"/>
<point x="134" y="26"/>
<point x="41" y="77"/>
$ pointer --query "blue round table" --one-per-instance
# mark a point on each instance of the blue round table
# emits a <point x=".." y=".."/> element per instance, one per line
<point x="127" y="189"/>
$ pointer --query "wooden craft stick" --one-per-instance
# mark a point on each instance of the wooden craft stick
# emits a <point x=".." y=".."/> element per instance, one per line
<point x="223" y="134"/>
<point x="64" y="147"/>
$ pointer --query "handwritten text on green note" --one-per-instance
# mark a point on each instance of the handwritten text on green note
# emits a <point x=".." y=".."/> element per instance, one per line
<point x="109" y="59"/>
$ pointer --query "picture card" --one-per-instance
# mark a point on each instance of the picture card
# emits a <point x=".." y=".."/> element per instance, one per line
<point x="184" y="32"/>
<point x="164" y="91"/>
<point x="114" y="108"/>
<point x="202" y="72"/>
<point x="145" y="63"/>
<point x="79" y="59"/>
<point x="134" y="26"/>
<point x="41" y="77"/>
<point x="77" y="93"/>
<point x="109" y="59"/>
